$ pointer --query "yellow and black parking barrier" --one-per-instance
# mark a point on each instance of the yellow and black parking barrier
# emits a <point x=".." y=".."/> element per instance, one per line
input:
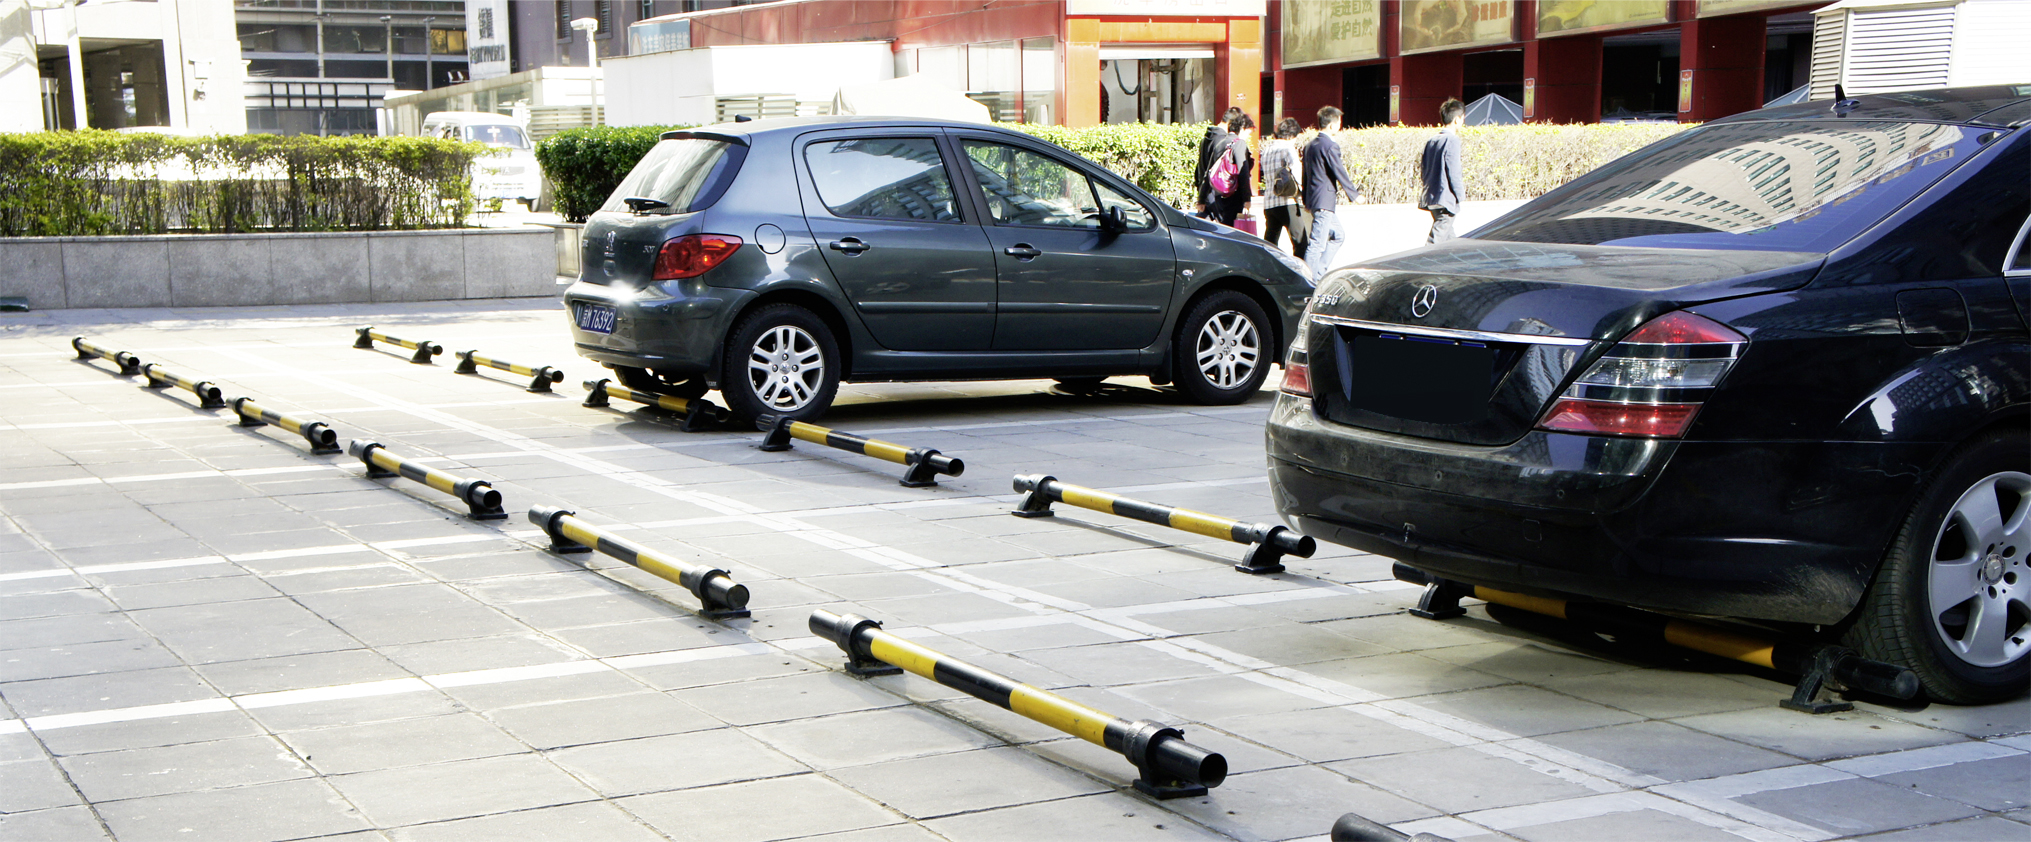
<point x="1168" y="766"/>
<point x="478" y="495"/>
<point x="924" y="463"/>
<point x="1267" y="544"/>
<point x="318" y="433"/>
<point x="697" y="412"/>
<point x="208" y="394"/>
<point x="716" y="590"/>
<point x="128" y="363"/>
<point x="540" y="378"/>
<point x="1821" y="667"/>
<point x="424" y="350"/>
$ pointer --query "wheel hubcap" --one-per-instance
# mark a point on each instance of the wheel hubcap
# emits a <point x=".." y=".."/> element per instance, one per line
<point x="1229" y="349"/>
<point x="786" y="368"/>
<point x="1976" y="589"/>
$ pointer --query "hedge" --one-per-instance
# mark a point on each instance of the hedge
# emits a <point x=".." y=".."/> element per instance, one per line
<point x="86" y="183"/>
<point x="1501" y="162"/>
<point x="585" y="165"/>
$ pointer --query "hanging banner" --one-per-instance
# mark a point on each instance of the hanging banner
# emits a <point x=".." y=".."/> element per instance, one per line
<point x="1565" y="17"/>
<point x="486" y="39"/>
<point x="1432" y="25"/>
<point x="1331" y="31"/>
<point x="1710" y="8"/>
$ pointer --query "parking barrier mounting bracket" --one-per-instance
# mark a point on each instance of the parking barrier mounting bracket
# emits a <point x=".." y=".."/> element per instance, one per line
<point x="548" y="518"/>
<point x="778" y="438"/>
<point x="595" y="395"/>
<point x="1140" y="747"/>
<point x="1035" y="502"/>
<point x="1264" y="556"/>
<point x="1813" y="693"/>
<point x="859" y="662"/>
<point x="1441" y="600"/>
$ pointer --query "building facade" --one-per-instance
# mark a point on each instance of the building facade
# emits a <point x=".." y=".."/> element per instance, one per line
<point x="324" y="67"/>
<point x="170" y="63"/>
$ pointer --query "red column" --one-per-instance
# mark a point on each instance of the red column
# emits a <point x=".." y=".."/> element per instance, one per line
<point x="1720" y="66"/>
<point x="1564" y="75"/>
<point x="1423" y="82"/>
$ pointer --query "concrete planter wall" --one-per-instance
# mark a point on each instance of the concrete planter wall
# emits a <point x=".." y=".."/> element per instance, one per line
<point x="221" y="270"/>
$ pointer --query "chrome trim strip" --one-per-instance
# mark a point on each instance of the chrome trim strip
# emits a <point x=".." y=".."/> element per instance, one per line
<point x="1451" y="333"/>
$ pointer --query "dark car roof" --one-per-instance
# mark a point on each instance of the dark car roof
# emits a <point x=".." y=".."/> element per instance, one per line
<point x="1991" y="105"/>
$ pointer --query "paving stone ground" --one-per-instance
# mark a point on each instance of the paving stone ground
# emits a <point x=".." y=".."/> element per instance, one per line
<point x="210" y="633"/>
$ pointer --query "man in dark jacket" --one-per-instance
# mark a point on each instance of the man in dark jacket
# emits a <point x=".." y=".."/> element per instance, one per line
<point x="1210" y="149"/>
<point x="1440" y="169"/>
<point x="1325" y="178"/>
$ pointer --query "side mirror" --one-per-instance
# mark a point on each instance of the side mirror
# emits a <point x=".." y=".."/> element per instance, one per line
<point x="1112" y="220"/>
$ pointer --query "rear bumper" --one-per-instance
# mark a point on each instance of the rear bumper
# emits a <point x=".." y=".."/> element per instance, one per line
<point x="675" y="327"/>
<point x="1784" y="531"/>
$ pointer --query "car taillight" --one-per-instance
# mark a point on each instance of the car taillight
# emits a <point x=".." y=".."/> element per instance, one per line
<point x="693" y="254"/>
<point x="1650" y="384"/>
<point x="1297" y="377"/>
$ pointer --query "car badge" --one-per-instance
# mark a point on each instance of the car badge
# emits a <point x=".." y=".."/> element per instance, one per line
<point x="1421" y="304"/>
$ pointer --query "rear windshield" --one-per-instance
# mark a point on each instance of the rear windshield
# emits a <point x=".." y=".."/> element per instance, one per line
<point x="690" y="173"/>
<point x="1769" y="186"/>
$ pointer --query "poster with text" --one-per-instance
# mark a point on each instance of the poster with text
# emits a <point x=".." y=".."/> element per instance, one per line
<point x="1329" y="31"/>
<point x="1563" y="17"/>
<point x="1432" y="25"/>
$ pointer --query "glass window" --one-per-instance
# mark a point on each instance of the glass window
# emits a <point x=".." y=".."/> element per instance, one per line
<point x="883" y="177"/>
<point x="688" y="172"/>
<point x="2022" y="261"/>
<point x="447" y="42"/>
<point x="1133" y="212"/>
<point x="993" y="78"/>
<point x="355" y="39"/>
<point x="1025" y="188"/>
<point x="1040" y="80"/>
<point x="1772" y="186"/>
<point x="508" y="136"/>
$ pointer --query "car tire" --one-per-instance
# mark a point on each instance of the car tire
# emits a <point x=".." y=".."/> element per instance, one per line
<point x="780" y="359"/>
<point x="1223" y="349"/>
<point x="644" y="380"/>
<point x="1949" y="600"/>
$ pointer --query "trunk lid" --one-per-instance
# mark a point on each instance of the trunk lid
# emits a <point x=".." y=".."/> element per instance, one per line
<point x="621" y="248"/>
<point x="1469" y="341"/>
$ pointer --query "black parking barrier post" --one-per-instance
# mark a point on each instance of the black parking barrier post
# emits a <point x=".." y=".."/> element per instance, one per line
<point x="716" y="590"/>
<point x="1821" y="667"/>
<point x="1166" y="765"/>
<point x="128" y="363"/>
<point x="208" y="395"/>
<point x="924" y="463"/>
<point x="697" y="411"/>
<point x="1267" y="544"/>
<point x="478" y="495"/>
<point x="540" y="378"/>
<point x="318" y="433"/>
<point x="1353" y="827"/>
<point x="424" y="350"/>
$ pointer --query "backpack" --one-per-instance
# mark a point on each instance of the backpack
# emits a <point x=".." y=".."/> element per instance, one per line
<point x="1223" y="173"/>
<point x="1282" y="182"/>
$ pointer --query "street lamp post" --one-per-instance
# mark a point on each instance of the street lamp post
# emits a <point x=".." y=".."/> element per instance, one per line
<point x="388" y="45"/>
<point x="429" y="49"/>
<point x="590" y="26"/>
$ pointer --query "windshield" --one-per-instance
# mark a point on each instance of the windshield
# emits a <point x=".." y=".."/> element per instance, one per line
<point x="508" y="136"/>
<point x="687" y="172"/>
<point x="1767" y="186"/>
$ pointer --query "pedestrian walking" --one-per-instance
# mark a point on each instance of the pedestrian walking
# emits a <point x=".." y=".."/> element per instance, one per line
<point x="1232" y="175"/>
<point x="1210" y="148"/>
<point x="1283" y="208"/>
<point x="1441" y="171"/>
<point x="1325" y="179"/>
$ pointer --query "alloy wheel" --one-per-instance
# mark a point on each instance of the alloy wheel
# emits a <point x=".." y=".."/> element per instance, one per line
<point x="1976" y="588"/>
<point x="786" y="368"/>
<point x="1229" y="349"/>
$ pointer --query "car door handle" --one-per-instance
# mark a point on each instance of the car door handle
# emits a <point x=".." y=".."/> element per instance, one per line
<point x="851" y="245"/>
<point x="1022" y="251"/>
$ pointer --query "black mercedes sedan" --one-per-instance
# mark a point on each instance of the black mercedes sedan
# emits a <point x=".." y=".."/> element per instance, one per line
<point x="1773" y="368"/>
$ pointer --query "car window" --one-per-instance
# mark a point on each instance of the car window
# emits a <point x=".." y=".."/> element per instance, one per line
<point x="882" y="177"/>
<point x="495" y="135"/>
<point x="1025" y="188"/>
<point x="2020" y="260"/>
<point x="1805" y="186"/>
<point x="1138" y="217"/>
<point x="688" y="172"/>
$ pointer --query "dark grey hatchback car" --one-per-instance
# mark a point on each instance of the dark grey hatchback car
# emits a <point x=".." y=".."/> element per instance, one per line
<point x="774" y="259"/>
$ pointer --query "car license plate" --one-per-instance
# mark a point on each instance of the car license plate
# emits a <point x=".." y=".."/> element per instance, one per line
<point x="1433" y="381"/>
<point x="596" y="318"/>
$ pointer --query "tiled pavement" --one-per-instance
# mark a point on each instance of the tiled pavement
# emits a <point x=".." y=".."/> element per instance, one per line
<point x="211" y="634"/>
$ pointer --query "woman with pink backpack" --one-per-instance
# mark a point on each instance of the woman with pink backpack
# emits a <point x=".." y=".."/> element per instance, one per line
<point x="1230" y="177"/>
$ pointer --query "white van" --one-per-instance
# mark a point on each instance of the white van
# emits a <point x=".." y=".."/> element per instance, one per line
<point x="514" y="174"/>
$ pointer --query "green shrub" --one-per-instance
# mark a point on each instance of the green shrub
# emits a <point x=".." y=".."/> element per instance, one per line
<point x="1498" y="162"/>
<point x="585" y="165"/>
<point x="98" y="183"/>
